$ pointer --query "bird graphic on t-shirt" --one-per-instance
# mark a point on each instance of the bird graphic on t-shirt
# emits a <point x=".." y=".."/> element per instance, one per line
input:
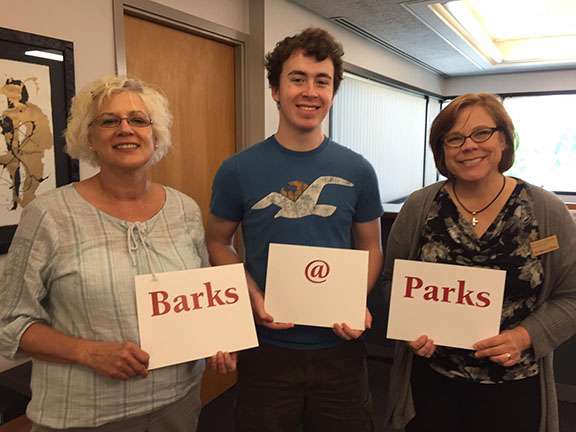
<point x="301" y="200"/>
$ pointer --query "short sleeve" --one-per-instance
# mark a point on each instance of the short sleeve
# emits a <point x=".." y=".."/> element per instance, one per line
<point x="369" y="206"/>
<point x="23" y="286"/>
<point x="226" y="201"/>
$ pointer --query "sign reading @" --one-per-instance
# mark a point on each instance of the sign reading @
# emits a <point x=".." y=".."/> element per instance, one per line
<point x="192" y="314"/>
<point x="455" y="306"/>
<point x="316" y="286"/>
<point x="317" y="271"/>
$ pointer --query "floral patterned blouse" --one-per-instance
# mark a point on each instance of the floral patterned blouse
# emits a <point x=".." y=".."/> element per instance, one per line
<point x="450" y="239"/>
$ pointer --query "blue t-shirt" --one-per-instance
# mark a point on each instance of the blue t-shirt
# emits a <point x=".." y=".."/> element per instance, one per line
<point x="272" y="191"/>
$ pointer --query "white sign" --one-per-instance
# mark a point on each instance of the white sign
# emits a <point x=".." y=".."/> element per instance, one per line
<point x="316" y="286"/>
<point x="455" y="306"/>
<point x="192" y="314"/>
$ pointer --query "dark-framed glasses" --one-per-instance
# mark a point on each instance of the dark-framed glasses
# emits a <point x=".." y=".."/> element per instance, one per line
<point x="110" y="121"/>
<point x="478" y="136"/>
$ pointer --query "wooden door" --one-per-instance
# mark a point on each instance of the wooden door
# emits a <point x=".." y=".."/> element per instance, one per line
<point x="197" y="76"/>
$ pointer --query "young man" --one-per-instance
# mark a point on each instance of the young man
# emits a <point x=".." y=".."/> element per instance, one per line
<point x="300" y="375"/>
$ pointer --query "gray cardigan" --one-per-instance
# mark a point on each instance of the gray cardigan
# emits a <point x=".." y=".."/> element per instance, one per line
<point x="553" y="322"/>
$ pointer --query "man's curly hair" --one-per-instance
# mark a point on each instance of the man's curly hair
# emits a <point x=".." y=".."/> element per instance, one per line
<point x="315" y="42"/>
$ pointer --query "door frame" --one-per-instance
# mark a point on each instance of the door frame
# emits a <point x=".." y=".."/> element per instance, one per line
<point x="164" y="15"/>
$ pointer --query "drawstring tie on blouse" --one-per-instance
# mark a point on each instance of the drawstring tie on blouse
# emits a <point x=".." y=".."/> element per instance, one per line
<point x="136" y="238"/>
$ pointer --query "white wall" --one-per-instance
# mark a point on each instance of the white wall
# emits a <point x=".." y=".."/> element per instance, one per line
<point x="283" y="18"/>
<point x="87" y="24"/>
<point x="229" y="13"/>
<point x="512" y="83"/>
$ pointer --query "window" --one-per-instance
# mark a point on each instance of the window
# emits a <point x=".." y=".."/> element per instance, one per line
<point x="388" y="127"/>
<point x="546" y="153"/>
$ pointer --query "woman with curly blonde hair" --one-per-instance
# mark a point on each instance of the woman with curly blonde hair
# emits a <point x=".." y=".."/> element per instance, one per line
<point x="69" y="280"/>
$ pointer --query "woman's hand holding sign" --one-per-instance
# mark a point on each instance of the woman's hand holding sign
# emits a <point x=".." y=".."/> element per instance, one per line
<point x="223" y="362"/>
<point x="423" y="346"/>
<point x="505" y="348"/>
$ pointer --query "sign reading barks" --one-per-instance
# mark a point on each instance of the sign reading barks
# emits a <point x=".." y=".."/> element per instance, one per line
<point x="192" y="314"/>
<point x="455" y="306"/>
<point x="316" y="286"/>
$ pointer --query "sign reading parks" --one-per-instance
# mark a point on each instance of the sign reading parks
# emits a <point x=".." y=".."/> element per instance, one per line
<point x="455" y="306"/>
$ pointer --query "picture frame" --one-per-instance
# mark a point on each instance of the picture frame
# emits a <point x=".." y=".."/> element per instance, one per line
<point x="35" y="98"/>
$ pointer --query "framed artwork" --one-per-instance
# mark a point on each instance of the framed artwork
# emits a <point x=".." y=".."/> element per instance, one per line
<point x="36" y="88"/>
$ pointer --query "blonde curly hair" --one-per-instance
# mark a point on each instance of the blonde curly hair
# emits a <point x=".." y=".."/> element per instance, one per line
<point x="87" y="104"/>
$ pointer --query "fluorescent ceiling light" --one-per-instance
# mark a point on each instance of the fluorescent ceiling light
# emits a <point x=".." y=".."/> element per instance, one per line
<point x="480" y="38"/>
<point x="521" y="19"/>
<point x="514" y="31"/>
<point x="45" y="54"/>
<point x="539" y="49"/>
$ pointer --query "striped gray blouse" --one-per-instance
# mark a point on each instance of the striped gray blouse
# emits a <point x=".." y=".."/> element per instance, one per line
<point x="72" y="266"/>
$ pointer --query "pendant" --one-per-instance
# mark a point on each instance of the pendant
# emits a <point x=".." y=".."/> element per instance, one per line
<point x="474" y="221"/>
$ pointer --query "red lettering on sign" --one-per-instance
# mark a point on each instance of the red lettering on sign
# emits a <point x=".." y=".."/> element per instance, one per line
<point x="208" y="298"/>
<point x="157" y="302"/>
<point x="317" y="271"/>
<point x="231" y="295"/>
<point x="412" y="283"/>
<point x="435" y="293"/>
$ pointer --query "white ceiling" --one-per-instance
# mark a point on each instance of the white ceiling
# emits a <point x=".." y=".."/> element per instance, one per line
<point x="412" y="31"/>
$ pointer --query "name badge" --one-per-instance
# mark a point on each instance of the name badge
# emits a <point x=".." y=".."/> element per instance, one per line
<point x="545" y="245"/>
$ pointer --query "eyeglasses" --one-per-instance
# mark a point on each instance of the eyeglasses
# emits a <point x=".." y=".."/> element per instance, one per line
<point x="478" y="136"/>
<point x="111" y="121"/>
